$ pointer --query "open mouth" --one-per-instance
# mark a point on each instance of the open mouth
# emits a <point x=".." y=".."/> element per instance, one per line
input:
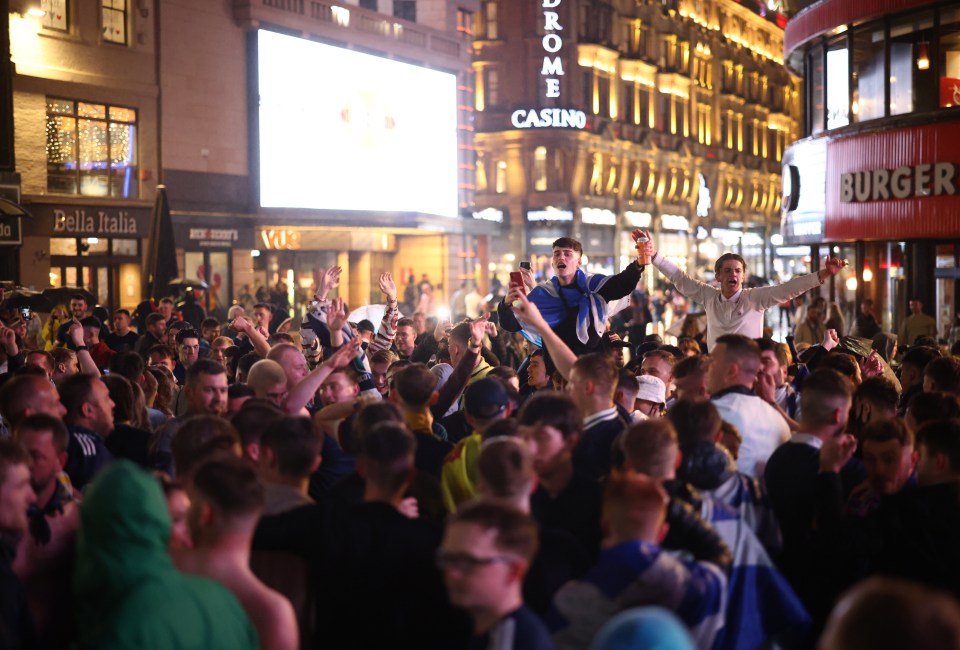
<point x="561" y="266"/>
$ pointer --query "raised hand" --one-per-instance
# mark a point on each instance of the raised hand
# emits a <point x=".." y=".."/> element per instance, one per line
<point x="409" y="508"/>
<point x="346" y="354"/>
<point x="337" y="315"/>
<point x="833" y="265"/>
<point x="442" y="330"/>
<point x="648" y="244"/>
<point x="8" y="338"/>
<point x="836" y="451"/>
<point x="528" y="280"/>
<point x="526" y="309"/>
<point x="872" y="366"/>
<point x="75" y="332"/>
<point x="478" y="328"/>
<point x="830" y="339"/>
<point x="240" y="324"/>
<point x="329" y="280"/>
<point x="388" y="287"/>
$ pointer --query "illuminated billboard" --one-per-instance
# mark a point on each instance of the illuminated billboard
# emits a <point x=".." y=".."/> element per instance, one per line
<point x="344" y="130"/>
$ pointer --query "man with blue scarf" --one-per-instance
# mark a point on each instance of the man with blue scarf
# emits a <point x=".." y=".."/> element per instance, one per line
<point x="575" y="304"/>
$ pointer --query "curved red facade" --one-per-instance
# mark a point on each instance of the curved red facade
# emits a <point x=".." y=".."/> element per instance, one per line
<point x="827" y="15"/>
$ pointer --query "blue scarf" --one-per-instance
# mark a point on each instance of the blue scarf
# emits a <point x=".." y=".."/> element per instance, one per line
<point x="555" y="301"/>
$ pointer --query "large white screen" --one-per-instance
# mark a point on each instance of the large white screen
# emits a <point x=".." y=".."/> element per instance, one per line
<point x="343" y="130"/>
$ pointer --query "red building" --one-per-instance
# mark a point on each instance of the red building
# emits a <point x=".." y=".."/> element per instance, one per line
<point x="877" y="177"/>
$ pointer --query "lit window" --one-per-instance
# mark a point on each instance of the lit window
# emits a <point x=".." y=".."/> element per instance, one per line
<point x="465" y="22"/>
<point x="114" y="19"/>
<point x="92" y="149"/>
<point x="490" y="29"/>
<point x="491" y="86"/>
<point x="540" y="169"/>
<point x="57" y="15"/>
<point x="502" y="177"/>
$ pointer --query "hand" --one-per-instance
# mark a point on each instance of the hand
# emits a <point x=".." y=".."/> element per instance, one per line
<point x="240" y="324"/>
<point x="8" y="338"/>
<point x="528" y="280"/>
<point x="836" y="451"/>
<point x="478" y="328"/>
<point x="647" y="245"/>
<point x="329" y="280"/>
<point x="442" y="330"/>
<point x="346" y="354"/>
<point x="409" y="508"/>
<point x="337" y="315"/>
<point x="872" y="366"/>
<point x="526" y="309"/>
<point x="833" y="265"/>
<point x="75" y="333"/>
<point x="388" y="287"/>
<point x="830" y="340"/>
<point x="765" y="387"/>
<point x="491" y="329"/>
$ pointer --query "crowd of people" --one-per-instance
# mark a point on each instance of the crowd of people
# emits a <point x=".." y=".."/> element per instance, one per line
<point x="537" y="473"/>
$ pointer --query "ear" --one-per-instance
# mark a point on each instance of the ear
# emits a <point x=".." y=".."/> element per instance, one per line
<point x="434" y="398"/>
<point x="914" y="457"/>
<point x="617" y="396"/>
<point x="206" y="514"/>
<point x="718" y="437"/>
<point x="572" y="441"/>
<point x="87" y="409"/>
<point x="316" y="463"/>
<point x="252" y="451"/>
<point x="676" y="464"/>
<point x="62" y="460"/>
<point x="589" y="387"/>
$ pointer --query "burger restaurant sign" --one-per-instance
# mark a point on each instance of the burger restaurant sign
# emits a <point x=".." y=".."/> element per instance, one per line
<point x="552" y="71"/>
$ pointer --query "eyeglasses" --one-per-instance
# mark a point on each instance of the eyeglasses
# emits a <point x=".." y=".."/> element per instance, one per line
<point x="466" y="563"/>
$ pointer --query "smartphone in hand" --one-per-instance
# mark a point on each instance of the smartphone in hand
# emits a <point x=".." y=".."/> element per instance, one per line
<point x="525" y="265"/>
<point x="517" y="278"/>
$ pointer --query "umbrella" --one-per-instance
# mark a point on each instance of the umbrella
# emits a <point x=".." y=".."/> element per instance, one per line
<point x="21" y="298"/>
<point x="161" y="258"/>
<point x="182" y="285"/>
<point x="372" y="313"/>
<point x="62" y="295"/>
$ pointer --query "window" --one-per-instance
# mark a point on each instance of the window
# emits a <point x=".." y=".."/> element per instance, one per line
<point x="369" y="4"/>
<point x="817" y="90"/>
<point x="57" y="15"/>
<point x="703" y="124"/>
<point x="405" y="10"/>
<point x="838" y="85"/>
<point x="646" y="108"/>
<point x="465" y="22"/>
<point x="501" y="177"/>
<point x="949" y="57"/>
<point x="91" y="149"/>
<point x="491" y="83"/>
<point x="869" y="54"/>
<point x="912" y="74"/>
<point x="603" y="95"/>
<point x="489" y="29"/>
<point x="540" y="169"/>
<point x="629" y="92"/>
<point x="114" y="20"/>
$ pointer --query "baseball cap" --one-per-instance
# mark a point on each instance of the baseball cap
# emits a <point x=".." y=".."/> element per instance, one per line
<point x="365" y="326"/>
<point x="485" y="398"/>
<point x="652" y="389"/>
<point x="611" y="340"/>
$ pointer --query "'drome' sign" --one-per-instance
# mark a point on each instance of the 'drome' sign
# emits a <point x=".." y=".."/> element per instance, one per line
<point x="552" y="71"/>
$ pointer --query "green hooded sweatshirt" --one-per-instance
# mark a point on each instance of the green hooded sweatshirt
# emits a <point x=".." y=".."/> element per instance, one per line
<point x="127" y="592"/>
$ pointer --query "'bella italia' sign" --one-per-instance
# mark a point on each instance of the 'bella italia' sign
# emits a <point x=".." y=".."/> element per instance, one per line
<point x="551" y="71"/>
<point x="94" y="222"/>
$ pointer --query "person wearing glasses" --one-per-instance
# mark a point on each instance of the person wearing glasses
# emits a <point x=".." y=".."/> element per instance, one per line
<point x="486" y="551"/>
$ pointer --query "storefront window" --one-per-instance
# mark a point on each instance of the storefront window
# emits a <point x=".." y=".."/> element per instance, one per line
<point x="868" y="73"/>
<point x="838" y="85"/>
<point x="911" y="73"/>
<point x="540" y="169"/>
<point x="949" y="57"/>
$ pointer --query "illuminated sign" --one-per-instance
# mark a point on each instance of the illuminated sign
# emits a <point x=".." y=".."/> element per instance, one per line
<point x="552" y="44"/>
<point x="489" y="214"/>
<point x="550" y="214"/>
<point x="557" y="118"/>
<point x="900" y="183"/>
<point x="598" y="217"/>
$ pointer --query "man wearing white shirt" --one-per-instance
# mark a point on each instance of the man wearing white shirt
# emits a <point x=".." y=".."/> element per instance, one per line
<point x="730" y="308"/>
<point x="734" y="364"/>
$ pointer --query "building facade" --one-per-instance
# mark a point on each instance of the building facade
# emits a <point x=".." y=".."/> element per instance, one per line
<point x="598" y="116"/>
<point x="85" y="116"/>
<point x="876" y="176"/>
<point x="113" y="98"/>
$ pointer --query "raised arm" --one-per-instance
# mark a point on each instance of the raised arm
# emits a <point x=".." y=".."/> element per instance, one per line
<point x="563" y="357"/>
<point x="385" y="335"/>
<point x="337" y="315"/>
<point x="693" y="289"/>
<point x="257" y="340"/>
<point x="301" y="394"/>
<point x="87" y="365"/>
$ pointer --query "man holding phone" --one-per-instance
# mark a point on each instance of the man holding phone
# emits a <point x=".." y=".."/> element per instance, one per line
<point x="575" y="304"/>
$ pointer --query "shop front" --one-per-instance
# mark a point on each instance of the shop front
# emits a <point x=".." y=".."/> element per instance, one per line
<point x="95" y="246"/>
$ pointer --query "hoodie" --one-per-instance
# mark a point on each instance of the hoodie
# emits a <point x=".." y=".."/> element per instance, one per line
<point x="127" y="592"/>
